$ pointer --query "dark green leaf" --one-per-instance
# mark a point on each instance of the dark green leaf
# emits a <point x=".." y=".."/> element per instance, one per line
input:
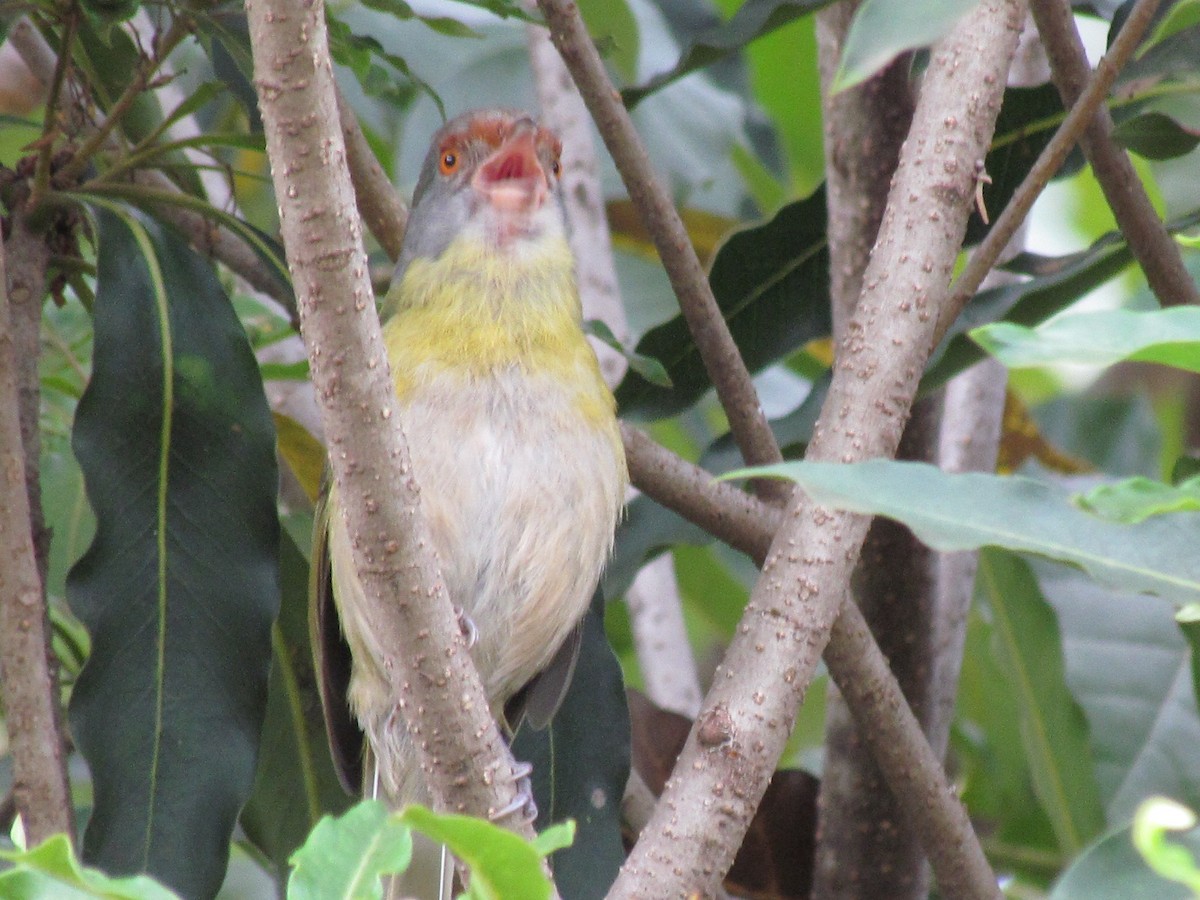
<point x="754" y="19"/>
<point x="772" y="285"/>
<point x="580" y="766"/>
<point x="1027" y="121"/>
<point x="883" y="29"/>
<point x="295" y="783"/>
<point x="505" y="9"/>
<point x="1156" y="135"/>
<point x="1053" y="728"/>
<point x="180" y="586"/>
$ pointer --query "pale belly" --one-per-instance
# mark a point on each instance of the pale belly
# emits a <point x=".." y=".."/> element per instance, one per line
<point x="521" y="492"/>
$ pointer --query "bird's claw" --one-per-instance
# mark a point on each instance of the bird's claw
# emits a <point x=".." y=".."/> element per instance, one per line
<point x="523" y="801"/>
<point x="467" y="627"/>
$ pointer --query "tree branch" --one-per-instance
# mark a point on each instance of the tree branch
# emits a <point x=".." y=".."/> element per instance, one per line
<point x="750" y="709"/>
<point x="464" y="760"/>
<point x="381" y="208"/>
<point x="862" y="850"/>
<point x="721" y="358"/>
<point x="893" y="734"/>
<point x="1152" y="246"/>
<point x="983" y="260"/>
<point x="41" y="790"/>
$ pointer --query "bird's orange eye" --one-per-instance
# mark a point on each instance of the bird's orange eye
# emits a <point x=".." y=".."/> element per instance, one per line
<point x="449" y="163"/>
<point x="555" y="168"/>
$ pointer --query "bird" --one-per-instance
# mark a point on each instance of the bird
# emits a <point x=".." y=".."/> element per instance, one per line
<point x="513" y="439"/>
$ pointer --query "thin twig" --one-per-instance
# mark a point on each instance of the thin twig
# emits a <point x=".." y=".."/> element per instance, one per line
<point x="983" y="260"/>
<point x="1148" y="239"/>
<point x="41" y="175"/>
<point x="720" y="354"/>
<point x="137" y="85"/>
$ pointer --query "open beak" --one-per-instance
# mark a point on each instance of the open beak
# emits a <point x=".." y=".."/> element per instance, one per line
<point x="511" y="179"/>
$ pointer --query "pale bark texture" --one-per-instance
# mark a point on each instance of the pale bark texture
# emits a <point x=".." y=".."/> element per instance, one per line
<point x="464" y="760"/>
<point x="863" y="849"/>
<point x="40" y="788"/>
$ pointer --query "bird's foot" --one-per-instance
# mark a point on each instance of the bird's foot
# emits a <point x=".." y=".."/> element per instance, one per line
<point x="523" y="801"/>
<point x="467" y="627"/>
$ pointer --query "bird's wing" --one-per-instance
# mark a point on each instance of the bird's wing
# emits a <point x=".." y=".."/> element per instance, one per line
<point x="331" y="657"/>
<point x="543" y="694"/>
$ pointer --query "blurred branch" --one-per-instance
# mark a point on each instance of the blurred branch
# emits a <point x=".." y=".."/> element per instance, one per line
<point x="591" y="243"/>
<point x="913" y="771"/>
<point x="863" y="130"/>
<point x="1152" y="246"/>
<point x="30" y="693"/>
<point x="709" y="330"/>
<point x="972" y="412"/>
<point x="660" y="637"/>
<point x="985" y="256"/>
<point x="466" y="763"/>
<point x="380" y="206"/>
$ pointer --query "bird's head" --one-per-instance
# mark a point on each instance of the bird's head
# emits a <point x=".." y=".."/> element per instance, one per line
<point x="490" y="175"/>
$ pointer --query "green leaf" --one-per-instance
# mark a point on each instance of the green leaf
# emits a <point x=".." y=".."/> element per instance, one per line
<point x="1111" y="869"/>
<point x="502" y="864"/>
<point x="1156" y="135"/>
<point x="647" y="367"/>
<point x="1170" y="337"/>
<point x="344" y="857"/>
<point x="883" y="29"/>
<point x="1054" y="731"/>
<point x="613" y="24"/>
<point x="1151" y="823"/>
<point x="772" y="285"/>
<point x="580" y="770"/>
<point x="966" y="512"/>
<point x="1136" y="499"/>
<point x="295" y="783"/>
<point x="1130" y="669"/>
<point x="180" y="585"/>
<point x="50" y="871"/>
<point x="1056" y="283"/>
<point x="753" y="20"/>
